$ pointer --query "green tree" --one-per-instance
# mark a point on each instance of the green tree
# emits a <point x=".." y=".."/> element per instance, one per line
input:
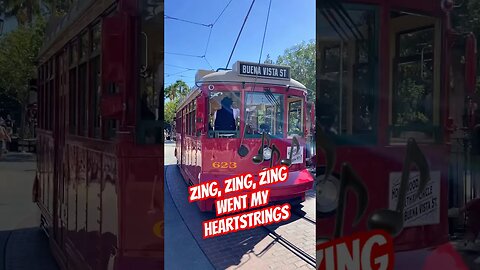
<point x="59" y="7"/>
<point x="301" y="60"/>
<point x="170" y="110"/>
<point x="26" y="10"/>
<point x="18" y="52"/>
<point x="176" y="90"/>
<point x="268" y="60"/>
<point x="23" y="10"/>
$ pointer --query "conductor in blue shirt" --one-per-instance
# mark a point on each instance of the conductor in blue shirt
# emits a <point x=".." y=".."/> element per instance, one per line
<point x="224" y="119"/>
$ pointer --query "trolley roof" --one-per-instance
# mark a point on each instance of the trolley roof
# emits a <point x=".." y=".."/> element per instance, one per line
<point x="247" y="72"/>
<point x="244" y="72"/>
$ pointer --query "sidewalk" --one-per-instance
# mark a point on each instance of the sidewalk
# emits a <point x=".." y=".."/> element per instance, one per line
<point x="181" y="249"/>
<point x="25" y="249"/>
<point x="23" y="245"/>
<point x="17" y="174"/>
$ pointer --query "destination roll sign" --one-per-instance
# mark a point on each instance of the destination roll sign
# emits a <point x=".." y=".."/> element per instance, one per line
<point x="262" y="70"/>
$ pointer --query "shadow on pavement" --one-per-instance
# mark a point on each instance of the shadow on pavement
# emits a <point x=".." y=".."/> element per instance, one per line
<point x="25" y="249"/>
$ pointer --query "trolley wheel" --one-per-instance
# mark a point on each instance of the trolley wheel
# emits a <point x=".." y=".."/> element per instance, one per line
<point x="327" y="204"/>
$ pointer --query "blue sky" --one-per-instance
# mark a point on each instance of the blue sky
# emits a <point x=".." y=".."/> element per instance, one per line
<point x="290" y="23"/>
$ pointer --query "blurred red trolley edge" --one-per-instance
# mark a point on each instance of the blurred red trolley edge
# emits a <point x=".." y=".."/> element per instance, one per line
<point x="100" y="193"/>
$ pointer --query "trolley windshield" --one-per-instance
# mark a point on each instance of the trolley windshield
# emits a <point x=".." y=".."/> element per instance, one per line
<point x="276" y="114"/>
<point x="264" y="113"/>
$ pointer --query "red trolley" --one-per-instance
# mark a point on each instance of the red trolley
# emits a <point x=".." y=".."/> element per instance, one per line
<point x="99" y="181"/>
<point x="384" y="76"/>
<point x="263" y="100"/>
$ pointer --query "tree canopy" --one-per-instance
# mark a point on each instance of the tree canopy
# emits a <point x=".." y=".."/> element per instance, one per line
<point x="18" y="52"/>
<point x="26" y="10"/>
<point x="301" y="60"/>
<point x="170" y="110"/>
<point x="174" y="92"/>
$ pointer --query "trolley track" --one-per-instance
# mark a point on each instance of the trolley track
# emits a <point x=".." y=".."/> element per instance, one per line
<point x="303" y="215"/>
<point x="283" y="239"/>
<point x="291" y="247"/>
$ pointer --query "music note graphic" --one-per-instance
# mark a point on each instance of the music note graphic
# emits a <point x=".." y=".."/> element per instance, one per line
<point x="349" y="178"/>
<point x="392" y="221"/>
<point x="260" y="157"/>
<point x="272" y="150"/>
<point x="288" y="161"/>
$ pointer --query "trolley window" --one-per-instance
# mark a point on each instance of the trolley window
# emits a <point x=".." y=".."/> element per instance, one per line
<point x="82" y="100"/>
<point x="347" y="81"/>
<point x="72" y="101"/>
<point x="413" y="79"/>
<point x="224" y="114"/>
<point x="96" y="92"/>
<point x="95" y="76"/>
<point x="295" y="117"/>
<point x="264" y="113"/>
<point x="150" y="128"/>
<point x="81" y="64"/>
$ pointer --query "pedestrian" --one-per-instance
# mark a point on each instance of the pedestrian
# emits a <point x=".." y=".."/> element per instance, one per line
<point x="9" y="123"/>
<point x="4" y="138"/>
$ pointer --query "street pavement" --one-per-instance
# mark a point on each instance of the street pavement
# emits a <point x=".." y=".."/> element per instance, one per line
<point x="23" y="245"/>
<point x="177" y="236"/>
<point x="17" y="173"/>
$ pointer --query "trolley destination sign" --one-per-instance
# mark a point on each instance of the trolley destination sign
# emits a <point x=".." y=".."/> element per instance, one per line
<point x="263" y="70"/>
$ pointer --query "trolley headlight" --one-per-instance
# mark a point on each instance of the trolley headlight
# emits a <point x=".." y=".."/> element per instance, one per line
<point x="267" y="153"/>
<point x="327" y="193"/>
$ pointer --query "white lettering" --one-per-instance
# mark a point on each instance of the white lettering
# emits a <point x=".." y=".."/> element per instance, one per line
<point x="367" y="252"/>
<point x="231" y="204"/>
<point x="259" y="198"/>
<point x="345" y="260"/>
<point x="239" y="183"/>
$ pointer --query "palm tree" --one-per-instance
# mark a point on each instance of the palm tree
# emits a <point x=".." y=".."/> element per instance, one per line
<point x="177" y="90"/>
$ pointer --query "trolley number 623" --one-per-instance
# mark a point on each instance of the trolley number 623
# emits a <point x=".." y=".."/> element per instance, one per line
<point x="224" y="165"/>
